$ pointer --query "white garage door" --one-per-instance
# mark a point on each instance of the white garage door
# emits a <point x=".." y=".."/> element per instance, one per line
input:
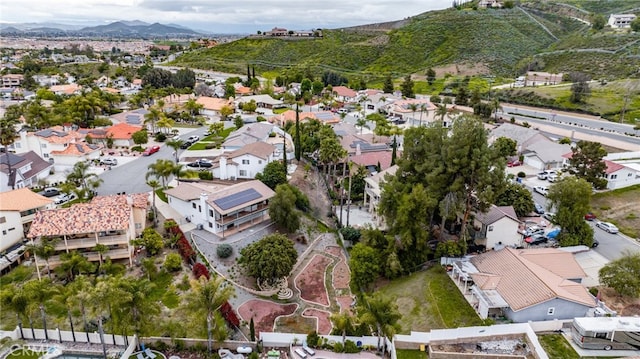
<point x="534" y="162"/>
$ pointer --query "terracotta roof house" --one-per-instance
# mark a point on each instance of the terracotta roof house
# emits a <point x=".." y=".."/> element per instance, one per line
<point x="26" y="170"/>
<point x="110" y="220"/>
<point x="121" y="134"/>
<point x="66" y="89"/>
<point x="344" y="94"/>
<point x="497" y="228"/>
<point x="211" y="106"/>
<point x="242" y="90"/>
<point x="373" y="191"/>
<point x="219" y="209"/>
<point x="527" y="284"/>
<point x="357" y="144"/>
<point x="17" y="209"/>
<point x="244" y="163"/>
<point x="76" y="152"/>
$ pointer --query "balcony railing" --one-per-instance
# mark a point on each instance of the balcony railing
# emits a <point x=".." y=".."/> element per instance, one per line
<point x="90" y="242"/>
<point x="117" y="253"/>
<point x="229" y="218"/>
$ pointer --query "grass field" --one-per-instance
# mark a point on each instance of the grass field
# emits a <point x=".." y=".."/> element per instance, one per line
<point x="410" y="354"/>
<point x="620" y="207"/>
<point x="430" y="300"/>
<point x="24" y="354"/>
<point x="557" y="346"/>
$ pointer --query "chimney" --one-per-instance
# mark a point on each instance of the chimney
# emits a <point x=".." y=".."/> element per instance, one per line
<point x="223" y="168"/>
<point x="358" y="151"/>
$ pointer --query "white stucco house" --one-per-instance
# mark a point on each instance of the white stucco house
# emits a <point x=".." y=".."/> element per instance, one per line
<point x="621" y="21"/>
<point x="244" y="163"/>
<point x="221" y="209"/>
<point x="620" y="176"/>
<point x="17" y="209"/>
<point x="497" y="228"/>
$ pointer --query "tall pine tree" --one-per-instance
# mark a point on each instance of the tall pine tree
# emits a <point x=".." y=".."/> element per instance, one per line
<point x="298" y="142"/>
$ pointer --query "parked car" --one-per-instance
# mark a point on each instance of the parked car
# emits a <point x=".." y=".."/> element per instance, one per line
<point x="590" y="216"/>
<point x="553" y="177"/>
<point x="536" y="239"/>
<point x="63" y="198"/>
<point x="151" y="150"/>
<point x="542" y="190"/>
<point x="50" y="192"/>
<point x="514" y="163"/>
<point x="550" y="216"/>
<point x="533" y="230"/>
<point x="109" y="161"/>
<point x="608" y="227"/>
<point x="186" y="144"/>
<point x="538" y="208"/>
<point x="545" y="174"/>
<point x="595" y="243"/>
<point x="201" y="163"/>
<point x="193" y="138"/>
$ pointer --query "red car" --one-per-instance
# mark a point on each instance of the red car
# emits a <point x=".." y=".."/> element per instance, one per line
<point x="151" y="150"/>
<point x="514" y="163"/>
<point x="589" y="216"/>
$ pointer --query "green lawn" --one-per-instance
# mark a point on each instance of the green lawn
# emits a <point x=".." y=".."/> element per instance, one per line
<point x="557" y="346"/>
<point x="25" y="354"/>
<point x="430" y="300"/>
<point x="410" y="354"/>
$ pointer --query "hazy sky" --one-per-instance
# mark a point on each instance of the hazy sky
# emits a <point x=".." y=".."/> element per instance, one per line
<point x="245" y="16"/>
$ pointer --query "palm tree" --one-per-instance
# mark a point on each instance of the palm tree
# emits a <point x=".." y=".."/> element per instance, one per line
<point x="362" y="122"/>
<point x="381" y="313"/>
<point x="8" y="134"/>
<point x="193" y="107"/>
<point x="414" y="108"/>
<point x="442" y="111"/>
<point x="137" y="305"/>
<point x="87" y="181"/>
<point x="175" y="144"/>
<point x="73" y="264"/>
<point x="38" y="292"/>
<point x="155" y="114"/>
<point x="154" y="184"/>
<point x="162" y="169"/>
<point x="107" y="295"/>
<point x="101" y="249"/>
<point x="207" y="296"/>
<point x="82" y="296"/>
<point x="37" y="115"/>
<point x="14" y="299"/>
<point x="423" y="109"/>
<point x="45" y="250"/>
<point x="165" y="123"/>
<point x="342" y="322"/>
<point x="65" y="298"/>
<point x="495" y="106"/>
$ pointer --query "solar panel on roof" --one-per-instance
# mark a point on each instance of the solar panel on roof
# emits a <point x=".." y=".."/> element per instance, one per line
<point x="237" y="199"/>
<point x="133" y="119"/>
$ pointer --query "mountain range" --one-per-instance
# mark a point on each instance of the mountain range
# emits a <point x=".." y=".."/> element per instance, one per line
<point x="118" y="29"/>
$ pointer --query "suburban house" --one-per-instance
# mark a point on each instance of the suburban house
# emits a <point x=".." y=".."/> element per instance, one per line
<point x="373" y="191"/>
<point x="277" y="31"/>
<point x="248" y="134"/>
<point x="135" y="117"/>
<point x="495" y="4"/>
<point x="109" y="220"/>
<point x="522" y="135"/>
<point x="12" y="80"/>
<point x="17" y="209"/>
<point x="211" y="106"/>
<point x="220" y="209"/>
<point x="75" y="152"/>
<point x="121" y="134"/>
<point x="262" y="101"/>
<point x="403" y="110"/>
<point x="244" y="163"/>
<point x="544" y="155"/>
<point x="379" y="101"/>
<point x="497" y="228"/>
<point x="27" y="169"/>
<point x="524" y="285"/>
<point x="344" y="94"/>
<point x="535" y="78"/>
<point x="620" y="176"/>
<point x="326" y="117"/>
<point x="66" y="89"/>
<point x="621" y="21"/>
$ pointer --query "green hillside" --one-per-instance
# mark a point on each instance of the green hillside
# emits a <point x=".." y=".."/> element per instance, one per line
<point x="492" y="41"/>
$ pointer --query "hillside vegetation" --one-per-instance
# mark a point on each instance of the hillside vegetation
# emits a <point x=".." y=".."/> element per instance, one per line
<point x="497" y="41"/>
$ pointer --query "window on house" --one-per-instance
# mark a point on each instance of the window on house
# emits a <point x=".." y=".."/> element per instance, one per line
<point x="4" y="232"/>
<point x="46" y="155"/>
<point x="200" y="209"/>
<point x="210" y="213"/>
<point x="17" y="145"/>
<point x="629" y="174"/>
<point x="12" y="229"/>
<point x="138" y="225"/>
<point x="210" y="225"/>
<point x="551" y="311"/>
<point x="3" y="219"/>
<point x="245" y="162"/>
<point x="193" y="205"/>
<point x="259" y="162"/>
<point x="490" y="229"/>
<point x="243" y="173"/>
<point x="43" y="145"/>
<point x="614" y="176"/>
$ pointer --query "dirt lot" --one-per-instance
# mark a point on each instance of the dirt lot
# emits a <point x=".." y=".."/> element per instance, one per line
<point x="312" y="185"/>
<point x="625" y="306"/>
<point x="620" y="207"/>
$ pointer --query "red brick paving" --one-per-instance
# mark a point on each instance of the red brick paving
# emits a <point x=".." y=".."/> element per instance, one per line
<point x="324" y="322"/>
<point x="264" y="313"/>
<point x="310" y="281"/>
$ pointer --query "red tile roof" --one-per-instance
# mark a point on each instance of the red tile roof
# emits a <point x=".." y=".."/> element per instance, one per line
<point x="344" y="91"/>
<point x="373" y="158"/>
<point x="122" y="131"/>
<point x="612" y="167"/>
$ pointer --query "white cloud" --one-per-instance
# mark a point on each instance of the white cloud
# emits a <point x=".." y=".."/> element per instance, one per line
<point x="229" y="16"/>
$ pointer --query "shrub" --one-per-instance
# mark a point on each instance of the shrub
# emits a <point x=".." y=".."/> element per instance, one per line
<point x="187" y="253"/>
<point x="594" y="291"/>
<point x="205" y="175"/>
<point x="137" y="149"/>
<point x="312" y="339"/>
<point x="224" y="251"/>
<point x="160" y="137"/>
<point x="200" y="270"/>
<point x="210" y="146"/>
<point x="522" y="174"/>
<point x="338" y="347"/>
<point x="350" y="234"/>
<point x="351" y="347"/>
<point x="173" y="262"/>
